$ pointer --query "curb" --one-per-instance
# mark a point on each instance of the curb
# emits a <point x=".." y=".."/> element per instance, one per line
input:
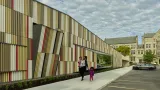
<point x="112" y="80"/>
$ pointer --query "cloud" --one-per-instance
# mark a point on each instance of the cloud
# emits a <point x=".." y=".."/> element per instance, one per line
<point x="112" y="18"/>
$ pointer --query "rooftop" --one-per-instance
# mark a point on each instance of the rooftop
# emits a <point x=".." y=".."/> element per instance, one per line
<point x="121" y="40"/>
<point x="148" y="35"/>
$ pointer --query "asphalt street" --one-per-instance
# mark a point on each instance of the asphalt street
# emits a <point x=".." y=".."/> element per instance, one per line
<point x="137" y="80"/>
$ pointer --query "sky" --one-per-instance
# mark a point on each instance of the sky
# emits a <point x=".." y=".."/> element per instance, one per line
<point x="112" y="18"/>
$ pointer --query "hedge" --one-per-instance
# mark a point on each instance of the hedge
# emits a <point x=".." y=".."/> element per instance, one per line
<point x="42" y="81"/>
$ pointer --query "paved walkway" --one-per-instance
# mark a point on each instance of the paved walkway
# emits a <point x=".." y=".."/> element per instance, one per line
<point x="100" y="80"/>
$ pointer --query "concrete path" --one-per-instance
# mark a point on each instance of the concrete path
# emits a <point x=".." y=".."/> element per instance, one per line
<point x="100" y="81"/>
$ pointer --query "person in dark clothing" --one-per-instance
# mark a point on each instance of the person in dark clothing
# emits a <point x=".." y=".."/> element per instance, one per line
<point x="82" y="68"/>
<point x="86" y="64"/>
<point x="79" y="63"/>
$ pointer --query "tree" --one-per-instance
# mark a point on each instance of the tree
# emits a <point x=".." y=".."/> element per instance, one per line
<point x="148" y="56"/>
<point x="124" y="50"/>
<point x="106" y="59"/>
<point x="99" y="58"/>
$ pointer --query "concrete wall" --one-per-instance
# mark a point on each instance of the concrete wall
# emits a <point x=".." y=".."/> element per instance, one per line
<point x="127" y="58"/>
<point x="125" y="61"/>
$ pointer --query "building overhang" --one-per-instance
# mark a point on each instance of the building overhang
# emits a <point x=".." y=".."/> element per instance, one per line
<point x="96" y="51"/>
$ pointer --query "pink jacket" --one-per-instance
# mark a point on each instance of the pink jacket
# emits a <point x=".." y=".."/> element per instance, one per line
<point x="91" y="72"/>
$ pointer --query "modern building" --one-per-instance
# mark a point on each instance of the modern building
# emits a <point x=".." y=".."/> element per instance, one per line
<point x="131" y="42"/>
<point x="38" y="41"/>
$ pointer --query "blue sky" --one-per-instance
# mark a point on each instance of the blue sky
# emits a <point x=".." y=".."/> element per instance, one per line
<point x="113" y="18"/>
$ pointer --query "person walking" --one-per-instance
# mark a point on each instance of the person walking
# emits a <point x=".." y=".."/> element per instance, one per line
<point x="79" y="62"/>
<point x="91" y="73"/>
<point x="86" y="64"/>
<point x="82" y="67"/>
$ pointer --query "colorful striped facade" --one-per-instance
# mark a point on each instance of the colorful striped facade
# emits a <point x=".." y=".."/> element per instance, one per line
<point x="38" y="41"/>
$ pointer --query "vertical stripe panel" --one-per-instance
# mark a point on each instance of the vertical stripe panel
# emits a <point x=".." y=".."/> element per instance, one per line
<point x="29" y="69"/>
<point x="30" y="31"/>
<point x="1" y="17"/>
<point x="41" y="64"/>
<point x="41" y="39"/>
<point x="59" y="43"/>
<point x="49" y="64"/>
<point x="45" y="15"/>
<point x="35" y="11"/>
<point x="53" y="40"/>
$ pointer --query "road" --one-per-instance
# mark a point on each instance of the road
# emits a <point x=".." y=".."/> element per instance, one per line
<point x="137" y="80"/>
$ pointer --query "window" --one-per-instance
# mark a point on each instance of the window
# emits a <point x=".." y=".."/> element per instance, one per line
<point x="133" y="46"/>
<point x="141" y="51"/>
<point x="132" y="58"/>
<point x="149" y="45"/>
<point x="138" y="51"/>
<point x="132" y="51"/>
<point x="127" y="45"/>
<point x="146" y="45"/>
<point x="140" y="60"/>
<point x="154" y="45"/>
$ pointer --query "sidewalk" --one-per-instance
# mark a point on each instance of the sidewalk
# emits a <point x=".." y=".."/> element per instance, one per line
<point x="100" y="80"/>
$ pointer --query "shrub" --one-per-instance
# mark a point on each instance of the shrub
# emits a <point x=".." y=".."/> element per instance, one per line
<point x="55" y="78"/>
<point x="25" y="84"/>
<point x="59" y="78"/>
<point x="70" y="76"/>
<point x="12" y="86"/>
<point x="51" y="78"/>
<point x="41" y="81"/>
<point x="6" y="87"/>
<point x="0" y="87"/>
<point x="19" y="85"/>
<point x="35" y="83"/>
<point x="45" y="80"/>
<point x="30" y="83"/>
<point x="65" y="77"/>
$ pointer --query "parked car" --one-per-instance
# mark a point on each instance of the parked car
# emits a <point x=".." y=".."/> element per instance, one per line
<point x="99" y="66"/>
<point x="144" y="67"/>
